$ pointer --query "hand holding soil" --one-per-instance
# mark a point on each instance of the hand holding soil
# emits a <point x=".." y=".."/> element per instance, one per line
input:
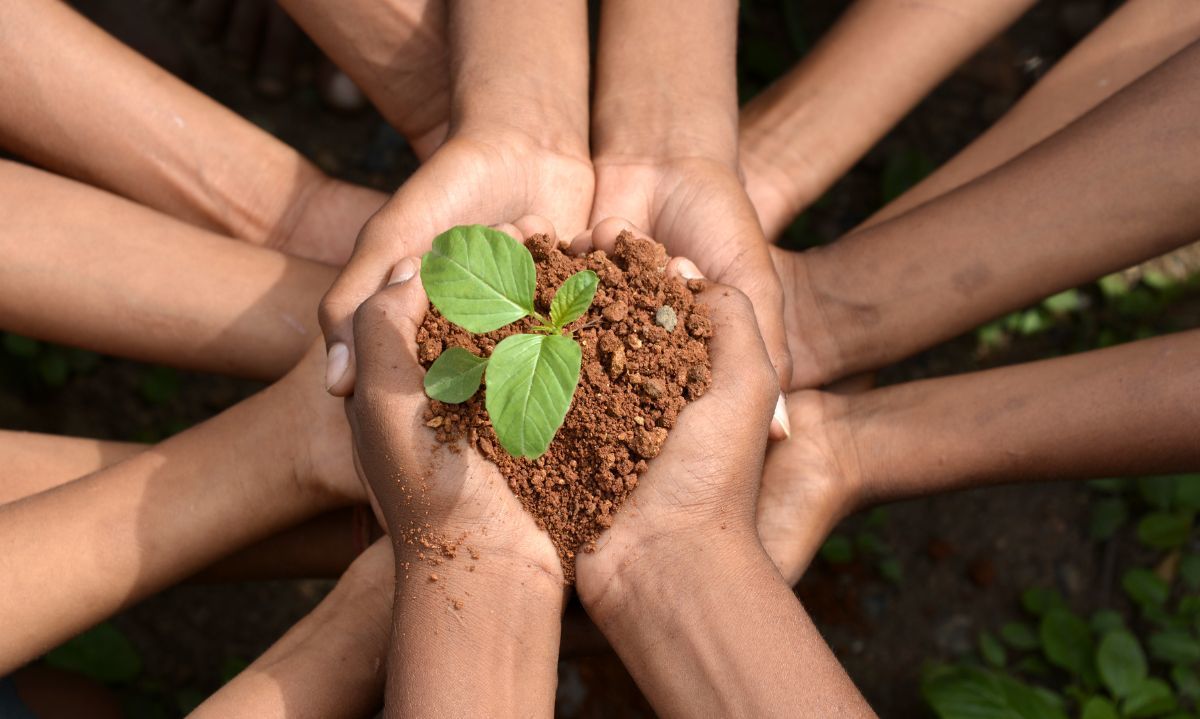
<point x="438" y="502"/>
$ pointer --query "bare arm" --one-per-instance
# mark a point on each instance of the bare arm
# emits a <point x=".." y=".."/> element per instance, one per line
<point x="1125" y="410"/>
<point x="803" y="133"/>
<point x="85" y="268"/>
<point x="111" y="538"/>
<point x="77" y="101"/>
<point x="1133" y="41"/>
<point x="1111" y="189"/>
<point x="331" y="664"/>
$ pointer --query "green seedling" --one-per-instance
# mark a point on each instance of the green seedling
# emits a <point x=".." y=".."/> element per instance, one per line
<point x="481" y="280"/>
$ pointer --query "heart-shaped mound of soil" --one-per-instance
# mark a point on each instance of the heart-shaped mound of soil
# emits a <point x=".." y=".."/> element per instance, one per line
<point x="645" y="356"/>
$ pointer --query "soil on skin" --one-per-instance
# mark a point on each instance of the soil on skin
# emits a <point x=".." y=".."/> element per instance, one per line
<point x="641" y="365"/>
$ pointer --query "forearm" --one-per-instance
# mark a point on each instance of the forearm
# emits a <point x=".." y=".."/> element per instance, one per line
<point x="805" y="131"/>
<point x="1108" y="191"/>
<point x="473" y="638"/>
<point x="1125" y="410"/>
<point x="520" y="67"/>
<point x="36" y="462"/>
<point x="666" y="85"/>
<point x="83" y="104"/>
<point x="107" y="540"/>
<point x="395" y="51"/>
<point x="331" y="664"/>
<point x="711" y="629"/>
<point x="1137" y="37"/>
<point x="85" y="268"/>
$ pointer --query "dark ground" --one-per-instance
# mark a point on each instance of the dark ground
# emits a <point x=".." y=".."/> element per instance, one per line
<point x="963" y="558"/>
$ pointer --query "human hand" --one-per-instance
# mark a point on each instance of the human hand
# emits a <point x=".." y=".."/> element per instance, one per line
<point x="810" y="481"/>
<point x="314" y="433"/>
<point x="429" y="495"/>
<point x="697" y="496"/>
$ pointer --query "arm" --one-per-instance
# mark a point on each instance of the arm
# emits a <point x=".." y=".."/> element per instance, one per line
<point x="395" y="51"/>
<point x="805" y="131"/>
<point x="681" y="586"/>
<point x="106" y="540"/>
<point x="84" y="105"/>
<point x="475" y="631"/>
<point x="1125" y="410"/>
<point x="517" y="146"/>
<point x="85" y="268"/>
<point x="1111" y="189"/>
<point x="330" y="664"/>
<point x="664" y="140"/>
<point x="1133" y="41"/>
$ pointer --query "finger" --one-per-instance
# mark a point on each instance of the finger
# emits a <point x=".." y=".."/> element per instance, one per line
<point x="780" y="427"/>
<point x="604" y="234"/>
<point x="531" y="225"/>
<point x="742" y="373"/>
<point x="357" y="281"/>
<point x="754" y="274"/>
<point x="385" y="331"/>
<point x="511" y="230"/>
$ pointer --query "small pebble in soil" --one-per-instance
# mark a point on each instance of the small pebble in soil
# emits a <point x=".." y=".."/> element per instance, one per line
<point x="665" y="318"/>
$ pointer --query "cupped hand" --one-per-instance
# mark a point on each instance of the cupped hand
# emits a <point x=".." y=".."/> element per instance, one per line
<point x="471" y="179"/>
<point x="698" y="208"/>
<point x="811" y="481"/>
<point x="700" y="490"/>
<point x="428" y="493"/>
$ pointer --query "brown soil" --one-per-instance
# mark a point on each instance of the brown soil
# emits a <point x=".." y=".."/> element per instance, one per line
<point x="645" y="356"/>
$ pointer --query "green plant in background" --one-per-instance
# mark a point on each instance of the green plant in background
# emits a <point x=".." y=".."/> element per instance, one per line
<point x="1056" y="663"/>
<point x="867" y="545"/>
<point x="48" y="364"/>
<point x="481" y="280"/>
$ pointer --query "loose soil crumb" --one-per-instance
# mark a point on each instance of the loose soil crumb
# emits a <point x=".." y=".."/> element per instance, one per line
<point x="636" y="377"/>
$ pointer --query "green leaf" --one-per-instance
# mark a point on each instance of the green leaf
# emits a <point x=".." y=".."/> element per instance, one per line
<point x="1108" y="515"/>
<point x="1099" y="708"/>
<point x="1039" y="600"/>
<point x="159" y="385"/>
<point x="1145" y="587"/>
<point x="102" y="653"/>
<point x="1064" y="302"/>
<point x="454" y="376"/>
<point x="19" y="346"/>
<point x="837" y="549"/>
<point x="52" y="366"/>
<point x="1186" y="681"/>
<point x="530" y="382"/>
<point x="1067" y="643"/>
<point x="970" y="693"/>
<point x="1159" y="492"/>
<point x="1189" y="570"/>
<point x="1121" y="662"/>
<point x="1151" y="698"/>
<point x="903" y="170"/>
<point x="1187" y="491"/>
<point x="1109" y="485"/>
<point x="1019" y="635"/>
<point x="890" y="569"/>
<point x="1164" y="530"/>
<point x="479" y="278"/>
<point x="1174" y="647"/>
<point x="1106" y="620"/>
<point x="573" y="298"/>
<point x="992" y="650"/>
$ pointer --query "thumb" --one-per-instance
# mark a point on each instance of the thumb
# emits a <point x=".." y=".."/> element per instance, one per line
<point x="385" y="336"/>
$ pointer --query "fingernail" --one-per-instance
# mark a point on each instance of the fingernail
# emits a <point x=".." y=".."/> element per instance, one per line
<point x="781" y="417"/>
<point x="688" y="269"/>
<point x="336" y="364"/>
<point x="404" y="271"/>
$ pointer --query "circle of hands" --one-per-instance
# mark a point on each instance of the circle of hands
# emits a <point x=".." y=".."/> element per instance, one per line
<point x="756" y="472"/>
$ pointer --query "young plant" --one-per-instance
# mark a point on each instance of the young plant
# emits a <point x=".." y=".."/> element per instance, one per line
<point x="481" y="280"/>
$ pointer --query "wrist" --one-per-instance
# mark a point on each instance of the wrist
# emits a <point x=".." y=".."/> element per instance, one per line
<point x="626" y="571"/>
